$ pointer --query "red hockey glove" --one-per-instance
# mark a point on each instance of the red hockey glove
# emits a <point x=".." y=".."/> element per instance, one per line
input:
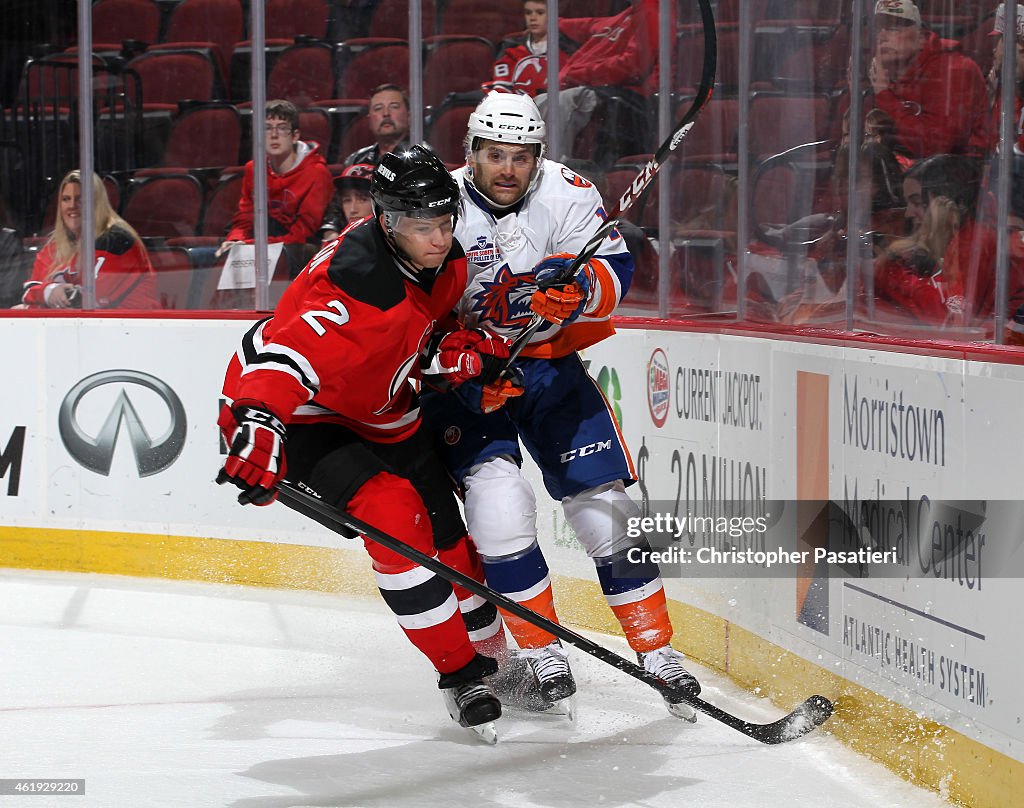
<point x="256" y="461"/>
<point x="560" y="303"/>
<point x="462" y="354"/>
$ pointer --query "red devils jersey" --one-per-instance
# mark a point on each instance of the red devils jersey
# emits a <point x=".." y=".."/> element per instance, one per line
<point x="346" y="337"/>
<point x="124" y="276"/>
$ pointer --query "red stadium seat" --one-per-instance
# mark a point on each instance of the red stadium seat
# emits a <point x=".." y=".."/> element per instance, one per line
<point x="696" y="192"/>
<point x="391" y="19"/>
<point x="240" y="70"/>
<point x="455" y="63"/>
<point x="486" y="19"/>
<point x="219" y="22"/>
<point x="355" y="136"/>
<point x="222" y="203"/>
<point x="365" y="63"/>
<point x="173" y="276"/>
<point x="303" y="74"/>
<point x="164" y="206"/>
<point x="690" y="58"/>
<point x="778" y="122"/>
<point x="315" y="124"/>
<point x="291" y="18"/>
<point x="170" y="76"/>
<point x="446" y="129"/>
<point x="117" y="20"/>
<point x="619" y="177"/>
<point x="203" y="136"/>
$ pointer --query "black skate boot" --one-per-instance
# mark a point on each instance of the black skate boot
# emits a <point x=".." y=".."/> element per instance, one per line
<point x="667" y="663"/>
<point x="551" y="667"/>
<point x="470" y="701"/>
<point x="519" y="683"/>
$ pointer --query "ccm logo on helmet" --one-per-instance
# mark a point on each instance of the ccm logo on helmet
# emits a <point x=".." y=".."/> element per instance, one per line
<point x="515" y="126"/>
<point x="387" y="172"/>
<point x="439" y="202"/>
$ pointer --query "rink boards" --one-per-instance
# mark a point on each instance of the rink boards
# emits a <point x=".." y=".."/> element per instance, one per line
<point x="108" y="448"/>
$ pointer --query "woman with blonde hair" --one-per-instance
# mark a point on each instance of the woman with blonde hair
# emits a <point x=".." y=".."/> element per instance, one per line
<point x="124" y="276"/>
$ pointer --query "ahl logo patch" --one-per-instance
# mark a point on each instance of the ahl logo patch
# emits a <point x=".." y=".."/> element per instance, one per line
<point x="452" y="435"/>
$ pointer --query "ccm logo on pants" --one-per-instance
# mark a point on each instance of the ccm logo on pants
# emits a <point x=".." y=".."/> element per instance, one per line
<point x="589" y="449"/>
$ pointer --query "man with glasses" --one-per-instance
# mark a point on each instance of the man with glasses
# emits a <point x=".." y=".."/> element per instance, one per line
<point x="299" y="187"/>
<point x="935" y="95"/>
<point x="521" y="220"/>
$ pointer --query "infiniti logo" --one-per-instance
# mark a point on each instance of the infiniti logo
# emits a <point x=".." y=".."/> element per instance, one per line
<point x="97" y="453"/>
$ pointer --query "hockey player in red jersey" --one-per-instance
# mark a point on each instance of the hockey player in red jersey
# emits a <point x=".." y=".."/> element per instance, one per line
<point x="320" y="393"/>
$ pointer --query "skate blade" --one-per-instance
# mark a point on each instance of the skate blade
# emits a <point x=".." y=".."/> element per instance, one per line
<point x="682" y="710"/>
<point x="563" y="707"/>
<point x="485" y="732"/>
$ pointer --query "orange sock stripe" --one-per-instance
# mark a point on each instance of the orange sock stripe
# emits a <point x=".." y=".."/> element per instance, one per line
<point x="526" y="634"/>
<point x="645" y="623"/>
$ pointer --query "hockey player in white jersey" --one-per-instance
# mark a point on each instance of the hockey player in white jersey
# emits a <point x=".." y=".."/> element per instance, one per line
<point x="521" y="219"/>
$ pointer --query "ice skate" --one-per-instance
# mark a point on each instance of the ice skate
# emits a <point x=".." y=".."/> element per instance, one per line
<point x="470" y="701"/>
<point x="667" y="664"/>
<point x="519" y="682"/>
<point x="550" y="665"/>
<point x="516" y="685"/>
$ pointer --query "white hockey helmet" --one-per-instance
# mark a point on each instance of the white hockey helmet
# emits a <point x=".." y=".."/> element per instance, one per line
<point x="507" y="118"/>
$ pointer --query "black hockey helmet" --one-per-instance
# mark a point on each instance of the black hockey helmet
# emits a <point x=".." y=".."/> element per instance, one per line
<point x="414" y="182"/>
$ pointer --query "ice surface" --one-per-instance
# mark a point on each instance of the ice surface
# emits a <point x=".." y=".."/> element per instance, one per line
<point x="190" y="695"/>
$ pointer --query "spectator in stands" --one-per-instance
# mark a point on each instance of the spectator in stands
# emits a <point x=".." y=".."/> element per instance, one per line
<point x="943" y="273"/>
<point x="351" y="201"/>
<point x="124" y="276"/>
<point x="522" y="63"/>
<point x="995" y="76"/>
<point x="389" y="123"/>
<point x="619" y="52"/>
<point x="299" y="187"/>
<point x="935" y="95"/>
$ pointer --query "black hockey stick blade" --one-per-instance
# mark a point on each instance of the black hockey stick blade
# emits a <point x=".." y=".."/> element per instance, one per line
<point x="808" y="716"/>
<point x="643" y="180"/>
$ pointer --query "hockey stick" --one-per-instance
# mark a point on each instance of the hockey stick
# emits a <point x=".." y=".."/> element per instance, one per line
<point x="640" y="184"/>
<point x="809" y="715"/>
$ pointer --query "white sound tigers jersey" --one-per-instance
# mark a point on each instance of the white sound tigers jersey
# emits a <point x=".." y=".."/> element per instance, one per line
<point x="559" y="215"/>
